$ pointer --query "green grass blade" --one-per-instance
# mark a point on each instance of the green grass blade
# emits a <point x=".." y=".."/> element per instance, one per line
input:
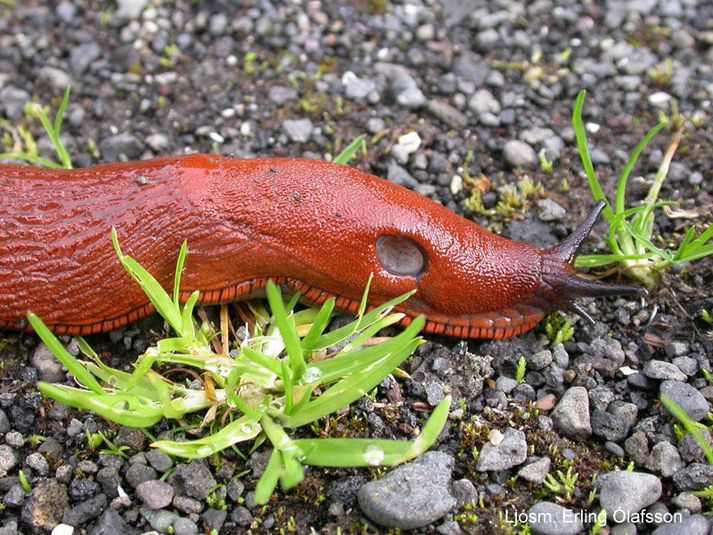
<point x="620" y="199"/>
<point x="262" y="360"/>
<point x="319" y="324"/>
<point x="157" y="295"/>
<point x="76" y="368"/>
<point x="268" y="481"/>
<point x="689" y="425"/>
<point x="349" y="452"/>
<point x="179" y="272"/>
<point x="292" y="472"/>
<point x="344" y="157"/>
<point x="581" y="135"/>
<point x="240" y="430"/>
<point x="288" y="331"/>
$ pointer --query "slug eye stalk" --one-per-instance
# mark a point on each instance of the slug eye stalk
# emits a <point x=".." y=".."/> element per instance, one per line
<point x="565" y="284"/>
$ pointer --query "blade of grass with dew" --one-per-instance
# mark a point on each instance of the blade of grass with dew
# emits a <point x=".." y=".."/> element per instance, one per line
<point x="350" y="151"/>
<point x="319" y="324"/>
<point x="76" y="368"/>
<point x="689" y="424"/>
<point x="355" y="452"/>
<point x="240" y="430"/>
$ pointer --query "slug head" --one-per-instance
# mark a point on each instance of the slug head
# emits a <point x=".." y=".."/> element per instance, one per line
<point x="562" y="286"/>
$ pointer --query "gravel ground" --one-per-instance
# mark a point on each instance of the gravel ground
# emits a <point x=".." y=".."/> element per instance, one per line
<point x="432" y="82"/>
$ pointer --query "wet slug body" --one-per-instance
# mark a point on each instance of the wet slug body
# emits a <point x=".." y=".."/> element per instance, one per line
<point x="314" y="227"/>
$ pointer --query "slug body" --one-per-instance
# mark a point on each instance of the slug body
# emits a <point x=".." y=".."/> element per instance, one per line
<point x="314" y="227"/>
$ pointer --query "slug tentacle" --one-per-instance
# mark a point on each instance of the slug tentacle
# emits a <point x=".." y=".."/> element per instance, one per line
<point x="564" y="284"/>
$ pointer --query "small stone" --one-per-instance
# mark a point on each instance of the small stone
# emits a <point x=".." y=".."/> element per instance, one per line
<point x="483" y="101"/>
<point x="547" y="518"/>
<point x="694" y="477"/>
<point x="536" y="471"/>
<point x="356" y="88"/>
<point x="690" y="525"/>
<point x="85" y="510"/>
<point x="539" y="360"/>
<point x="155" y="494"/>
<point x="82" y="489"/>
<point x="625" y="493"/>
<point x="8" y="460"/>
<point x="660" y="99"/>
<point x="664" y="459"/>
<point x="571" y="415"/>
<point x="109" y="479"/>
<point x="690" y="400"/>
<point x="687" y="500"/>
<point x="505" y="384"/>
<point x="45" y="505"/>
<point x="139" y="473"/>
<point x="14" y="497"/>
<point x="38" y="463"/>
<point x="662" y="370"/>
<point x="298" y="130"/>
<point x="111" y="523"/>
<point x="637" y="447"/>
<point x="187" y="505"/>
<point x="510" y="451"/>
<point x="13" y="101"/>
<point x="159" y="461"/>
<point x="193" y="479"/>
<point x="121" y="147"/>
<point x="446" y="113"/>
<point x="609" y="426"/>
<point x="410" y="496"/>
<point x="676" y="349"/>
<point x="549" y="210"/>
<point x="185" y="526"/>
<point x="213" y="519"/>
<point x="129" y="9"/>
<point x="56" y="78"/>
<point x="519" y="154"/>
<point x="398" y="175"/>
<point x="158" y="142"/>
<point x="48" y="367"/>
<point x="281" y="95"/>
<point x="83" y="55"/>
<point x="162" y="521"/>
<point x="406" y="145"/>
<point x="241" y="516"/>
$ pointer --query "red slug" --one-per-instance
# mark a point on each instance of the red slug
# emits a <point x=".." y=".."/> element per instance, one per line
<point x="313" y="227"/>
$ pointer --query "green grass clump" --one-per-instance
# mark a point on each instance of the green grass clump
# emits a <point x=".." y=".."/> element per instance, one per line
<point x="278" y="379"/>
<point x="630" y="237"/>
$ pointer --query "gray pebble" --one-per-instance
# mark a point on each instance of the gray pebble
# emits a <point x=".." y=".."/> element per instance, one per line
<point x="159" y="460"/>
<point x="609" y="426"/>
<point x="45" y="506"/>
<point x="676" y="349"/>
<point x="571" y="415"/>
<point x="82" y="56"/>
<point x="690" y="525"/>
<point x="519" y="154"/>
<point x="627" y="492"/>
<point x="129" y="9"/>
<point x="193" y="479"/>
<point x="687" y="500"/>
<point x="38" y="463"/>
<point x="549" y="210"/>
<point x="512" y="451"/>
<point x="139" y="473"/>
<point x="155" y="494"/>
<point x="213" y="519"/>
<point x="12" y="102"/>
<point x="536" y="471"/>
<point x="410" y="496"/>
<point x="8" y="460"/>
<point x="48" y="367"/>
<point x="56" y="78"/>
<point x="398" y="175"/>
<point x="356" y="88"/>
<point x="664" y="459"/>
<point x="281" y="95"/>
<point x="160" y="520"/>
<point x="121" y="147"/>
<point x="85" y="510"/>
<point x="184" y="526"/>
<point x="662" y="370"/>
<point x="157" y="142"/>
<point x="539" y="360"/>
<point x="694" y="477"/>
<point x="187" y="505"/>
<point x="298" y="130"/>
<point x="690" y="400"/>
<point x="241" y="516"/>
<point x="483" y="101"/>
<point x="548" y="518"/>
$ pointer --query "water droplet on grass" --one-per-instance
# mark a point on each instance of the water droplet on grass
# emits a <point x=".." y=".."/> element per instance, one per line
<point x="374" y="455"/>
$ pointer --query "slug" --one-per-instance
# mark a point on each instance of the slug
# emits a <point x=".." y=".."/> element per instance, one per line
<point x="313" y="227"/>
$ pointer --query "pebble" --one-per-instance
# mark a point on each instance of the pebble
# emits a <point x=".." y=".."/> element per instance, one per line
<point x="483" y="101"/>
<point x="571" y="415"/>
<point x="139" y="473"/>
<point x="539" y="360"/>
<point x="687" y="500"/>
<point x="690" y="525"/>
<point x="13" y="101"/>
<point x="406" y="145"/>
<point x="159" y="461"/>
<point x="548" y="210"/>
<point x="664" y="459"/>
<point x="356" y="88"/>
<point x="510" y="451"/>
<point x="694" y="477"/>
<point x="162" y="521"/>
<point x="45" y="505"/>
<point x="281" y="95"/>
<point x="241" y="516"/>
<point x="627" y="492"/>
<point x="8" y="459"/>
<point x="676" y="349"/>
<point x="519" y="154"/>
<point x="410" y="496"/>
<point x="86" y="510"/>
<point x="662" y="370"/>
<point x="129" y="9"/>
<point x="155" y="494"/>
<point x="547" y="518"/>
<point x="398" y="175"/>
<point x="193" y="479"/>
<point x="185" y="526"/>
<point x="38" y="463"/>
<point x="406" y="92"/>
<point x="298" y="130"/>
<point x="446" y="113"/>
<point x="111" y="523"/>
<point x="82" y="57"/>
<point x="121" y="147"/>
<point x="48" y="367"/>
<point x="690" y="400"/>
<point x="536" y="471"/>
<point x="610" y="426"/>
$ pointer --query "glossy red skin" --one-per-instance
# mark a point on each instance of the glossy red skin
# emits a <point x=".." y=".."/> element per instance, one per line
<point x="312" y="226"/>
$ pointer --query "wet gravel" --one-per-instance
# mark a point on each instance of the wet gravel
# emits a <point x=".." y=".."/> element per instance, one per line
<point x="454" y="94"/>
